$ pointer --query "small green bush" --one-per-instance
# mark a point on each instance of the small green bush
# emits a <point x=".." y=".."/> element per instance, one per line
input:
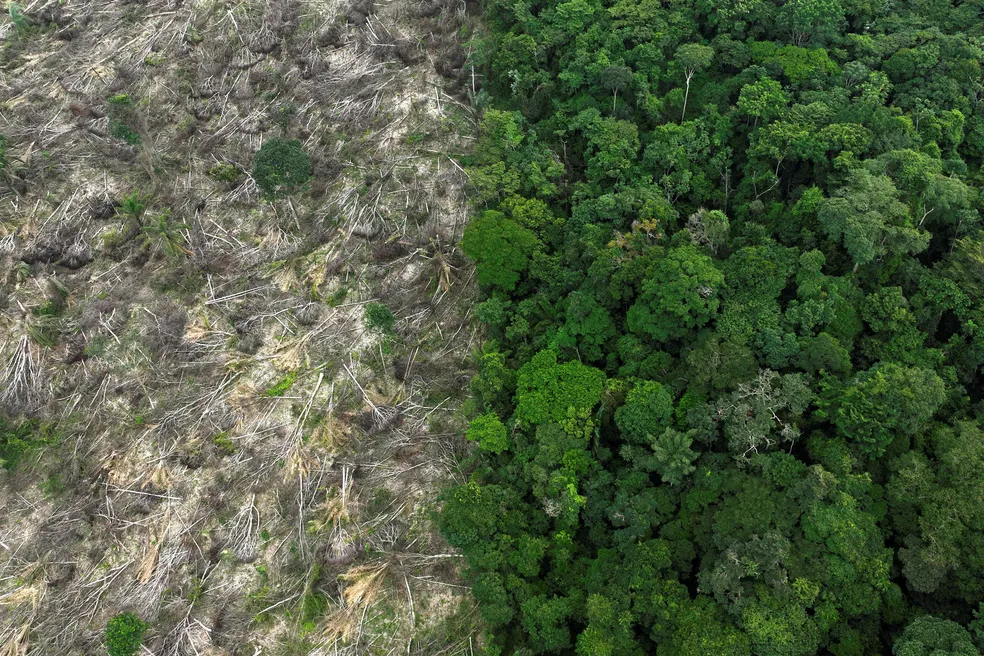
<point x="124" y="634"/>
<point x="19" y="440"/>
<point x="284" y="114"/>
<point x="45" y="329"/>
<point x="224" y="172"/>
<point x="133" y="205"/>
<point x="3" y="152"/>
<point x="121" y="114"/>
<point x="280" y="166"/>
<point x="124" y="132"/>
<point x="21" y="22"/>
<point x="25" y="30"/>
<point x="225" y="445"/>
<point x="166" y="236"/>
<point x="380" y="318"/>
<point x="52" y="487"/>
<point x="49" y="308"/>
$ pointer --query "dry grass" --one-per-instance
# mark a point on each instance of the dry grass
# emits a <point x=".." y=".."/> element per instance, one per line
<point x="243" y="462"/>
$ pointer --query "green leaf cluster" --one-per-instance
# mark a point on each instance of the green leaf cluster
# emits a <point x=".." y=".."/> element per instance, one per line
<point x="280" y="167"/>
<point x="124" y="634"/>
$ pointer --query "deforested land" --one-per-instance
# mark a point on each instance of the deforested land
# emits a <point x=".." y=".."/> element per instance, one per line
<point x="234" y="326"/>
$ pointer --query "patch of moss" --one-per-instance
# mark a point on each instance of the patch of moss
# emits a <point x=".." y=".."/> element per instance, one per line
<point x="283" y="385"/>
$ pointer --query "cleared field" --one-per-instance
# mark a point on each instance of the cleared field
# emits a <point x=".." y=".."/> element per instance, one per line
<point x="227" y="415"/>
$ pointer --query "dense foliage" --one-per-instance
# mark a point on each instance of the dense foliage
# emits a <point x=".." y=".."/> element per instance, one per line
<point x="733" y="267"/>
<point x="124" y="634"/>
<point x="280" y="167"/>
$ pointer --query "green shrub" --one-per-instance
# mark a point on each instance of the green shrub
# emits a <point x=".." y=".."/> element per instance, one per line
<point x="380" y="318"/>
<point x="124" y="634"/>
<point x="124" y="132"/>
<point x="3" y="152"/>
<point x="19" y="440"/>
<point x="284" y="114"/>
<point x="224" y="172"/>
<point x="96" y="347"/>
<point x="133" y="205"/>
<point x="47" y="309"/>
<point x="166" y="236"/>
<point x="225" y="445"/>
<point x="121" y="114"/>
<point x="280" y="167"/>
<point x="52" y="487"/>
<point x="45" y="329"/>
<point x="21" y="22"/>
<point x="24" y="32"/>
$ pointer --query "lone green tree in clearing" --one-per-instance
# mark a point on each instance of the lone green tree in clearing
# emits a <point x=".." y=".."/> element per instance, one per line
<point x="124" y="634"/>
<point x="280" y="167"/>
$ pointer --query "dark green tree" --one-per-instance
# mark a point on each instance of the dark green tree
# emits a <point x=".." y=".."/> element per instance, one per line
<point x="870" y="219"/>
<point x="124" y="634"/>
<point x="876" y="405"/>
<point x="931" y="636"/>
<point x="678" y="296"/>
<point x="280" y="167"/>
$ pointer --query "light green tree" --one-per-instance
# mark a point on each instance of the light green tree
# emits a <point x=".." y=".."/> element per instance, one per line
<point x="490" y="433"/>
<point x="500" y="247"/>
